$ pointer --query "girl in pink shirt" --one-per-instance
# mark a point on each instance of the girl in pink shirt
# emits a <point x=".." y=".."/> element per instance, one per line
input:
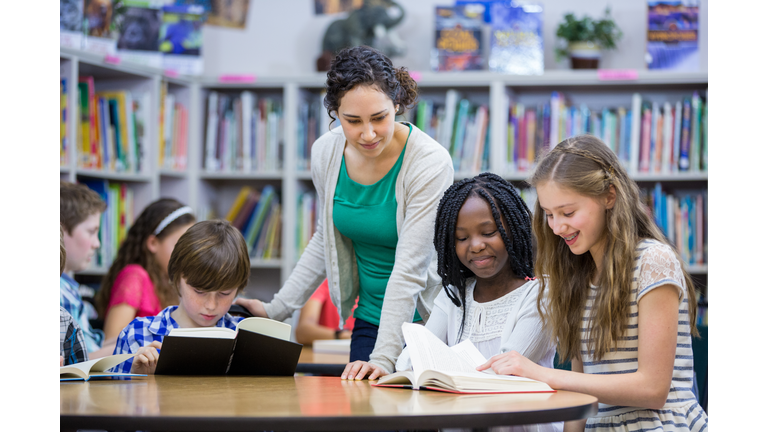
<point x="137" y="282"/>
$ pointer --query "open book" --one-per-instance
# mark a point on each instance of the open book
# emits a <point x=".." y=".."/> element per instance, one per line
<point x="453" y="370"/>
<point x="260" y="346"/>
<point x="95" y="368"/>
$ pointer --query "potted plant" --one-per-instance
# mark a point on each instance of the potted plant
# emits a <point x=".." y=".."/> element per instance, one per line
<point x="585" y="38"/>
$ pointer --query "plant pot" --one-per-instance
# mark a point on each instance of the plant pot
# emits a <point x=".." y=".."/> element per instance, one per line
<point x="584" y="55"/>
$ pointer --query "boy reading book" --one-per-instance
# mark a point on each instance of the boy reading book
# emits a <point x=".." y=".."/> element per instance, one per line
<point x="208" y="267"/>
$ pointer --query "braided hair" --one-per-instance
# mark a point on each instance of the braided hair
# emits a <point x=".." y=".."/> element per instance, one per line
<point x="507" y="206"/>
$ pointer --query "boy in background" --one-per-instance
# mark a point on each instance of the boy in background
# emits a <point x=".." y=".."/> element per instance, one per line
<point x="80" y="211"/>
<point x="71" y="344"/>
<point x="209" y="266"/>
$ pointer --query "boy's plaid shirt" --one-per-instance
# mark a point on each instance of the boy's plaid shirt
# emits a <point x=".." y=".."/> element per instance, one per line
<point x="145" y="330"/>
<point x="72" y="302"/>
<point x="71" y="343"/>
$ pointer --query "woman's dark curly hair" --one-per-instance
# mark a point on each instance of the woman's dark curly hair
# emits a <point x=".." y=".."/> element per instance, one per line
<point x="362" y="65"/>
<point x="506" y="205"/>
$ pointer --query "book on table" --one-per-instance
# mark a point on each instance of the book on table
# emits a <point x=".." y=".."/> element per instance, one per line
<point x="452" y="369"/>
<point x="95" y="368"/>
<point x="259" y="346"/>
<point x="331" y="346"/>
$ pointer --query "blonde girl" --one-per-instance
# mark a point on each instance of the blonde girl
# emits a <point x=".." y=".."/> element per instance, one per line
<point x="617" y="298"/>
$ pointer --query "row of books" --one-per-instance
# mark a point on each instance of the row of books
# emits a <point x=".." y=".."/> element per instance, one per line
<point x="257" y="214"/>
<point x="458" y="124"/>
<point x="173" y="132"/>
<point x="312" y="125"/>
<point x="111" y="128"/>
<point x="683" y="219"/>
<point x="244" y="132"/>
<point x="63" y="147"/>
<point x="648" y="137"/>
<point x="306" y="220"/>
<point x="115" y="221"/>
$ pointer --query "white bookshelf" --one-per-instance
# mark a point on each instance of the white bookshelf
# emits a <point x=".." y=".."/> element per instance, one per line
<point x="215" y="191"/>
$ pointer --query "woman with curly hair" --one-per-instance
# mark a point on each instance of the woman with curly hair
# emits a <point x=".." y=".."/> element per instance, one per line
<point x="378" y="183"/>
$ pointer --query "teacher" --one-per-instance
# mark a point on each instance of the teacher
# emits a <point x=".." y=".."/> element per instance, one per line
<point x="378" y="183"/>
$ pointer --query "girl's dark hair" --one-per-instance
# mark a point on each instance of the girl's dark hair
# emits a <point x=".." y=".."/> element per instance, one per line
<point x="362" y="65"/>
<point x="510" y="213"/>
<point x="134" y="250"/>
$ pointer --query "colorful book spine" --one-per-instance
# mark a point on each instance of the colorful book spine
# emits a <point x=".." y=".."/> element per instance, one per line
<point x="685" y="136"/>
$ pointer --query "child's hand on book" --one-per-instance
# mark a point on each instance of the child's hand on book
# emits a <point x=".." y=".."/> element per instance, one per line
<point x="359" y="369"/>
<point x="146" y="359"/>
<point x="510" y="363"/>
<point x="254" y="306"/>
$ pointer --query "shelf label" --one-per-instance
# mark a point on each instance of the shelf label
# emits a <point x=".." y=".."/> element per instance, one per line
<point x="617" y="74"/>
<point x="245" y="78"/>
<point x="170" y="73"/>
<point x="112" y="59"/>
<point x="416" y="75"/>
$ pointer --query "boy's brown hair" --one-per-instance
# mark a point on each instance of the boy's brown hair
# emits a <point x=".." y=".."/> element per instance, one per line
<point x="62" y="251"/>
<point x="210" y="256"/>
<point x="76" y="203"/>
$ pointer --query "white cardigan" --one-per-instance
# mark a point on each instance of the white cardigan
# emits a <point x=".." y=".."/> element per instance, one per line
<point x="523" y="331"/>
<point x="426" y="172"/>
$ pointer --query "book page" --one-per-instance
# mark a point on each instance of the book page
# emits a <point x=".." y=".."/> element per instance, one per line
<point x="204" y="332"/>
<point x="83" y="369"/>
<point x="267" y="327"/>
<point x="469" y="352"/>
<point x="429" y="352"/>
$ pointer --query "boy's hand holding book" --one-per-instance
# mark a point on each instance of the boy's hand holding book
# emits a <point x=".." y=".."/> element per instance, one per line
<point x="146" y="358"/>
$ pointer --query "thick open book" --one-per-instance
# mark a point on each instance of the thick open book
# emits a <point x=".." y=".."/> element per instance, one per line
<point x="453" y="370"/>
<point x="260" y="346"/>
<point x="95" y="368"/>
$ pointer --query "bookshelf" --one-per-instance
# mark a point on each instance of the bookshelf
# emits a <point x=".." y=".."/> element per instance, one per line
<point x="213" y="191"/>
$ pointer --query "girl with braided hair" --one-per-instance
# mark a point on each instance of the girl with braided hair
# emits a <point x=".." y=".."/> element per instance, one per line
<point x="137" y="283"/>
<point x="618" y="299"/>
<point x="378" y="184"/>
<point x="485" y="259"/>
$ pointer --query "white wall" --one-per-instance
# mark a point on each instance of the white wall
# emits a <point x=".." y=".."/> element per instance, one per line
<point x="284" y="37"/>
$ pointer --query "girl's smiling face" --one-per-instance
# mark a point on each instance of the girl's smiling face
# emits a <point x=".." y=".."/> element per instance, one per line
<point x="479" y="245"/>
<point x="578" y="219"/>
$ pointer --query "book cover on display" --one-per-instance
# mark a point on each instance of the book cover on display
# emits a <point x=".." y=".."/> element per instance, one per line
<point x="517" y="44"/>
<point x="458" y="38"/>
<point x="181" y="38"/>
<point x="673" y="35"/>
<point x="139" y="36"/>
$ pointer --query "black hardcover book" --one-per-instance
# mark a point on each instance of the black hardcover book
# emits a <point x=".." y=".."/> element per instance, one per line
<point x="260" y="346"/>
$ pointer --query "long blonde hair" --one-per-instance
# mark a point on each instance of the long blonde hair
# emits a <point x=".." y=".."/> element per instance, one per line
<point x="587" y="166"/>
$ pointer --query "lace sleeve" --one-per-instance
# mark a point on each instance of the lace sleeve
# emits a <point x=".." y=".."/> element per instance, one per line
<point x="659" y="266"/>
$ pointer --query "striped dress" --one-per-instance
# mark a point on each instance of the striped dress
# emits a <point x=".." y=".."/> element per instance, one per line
<point x="656" y="266"/>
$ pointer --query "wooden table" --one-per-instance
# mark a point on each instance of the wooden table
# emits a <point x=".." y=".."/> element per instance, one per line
<point x="172" y="403"/>
<point x="323" y="364"/>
